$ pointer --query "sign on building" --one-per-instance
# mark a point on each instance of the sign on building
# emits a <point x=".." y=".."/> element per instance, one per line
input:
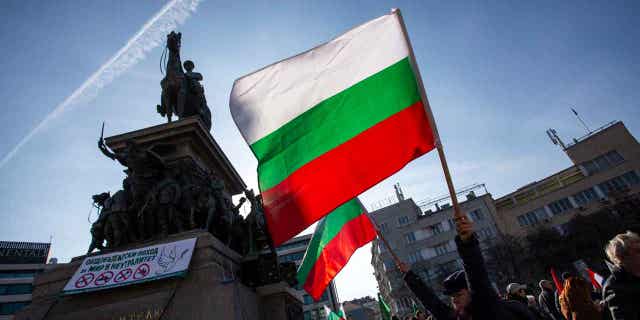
<point x="23" y="252"/>
<point x="132" y="266"/>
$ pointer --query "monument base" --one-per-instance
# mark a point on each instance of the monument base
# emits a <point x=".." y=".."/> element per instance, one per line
<point x="210" y="290"/>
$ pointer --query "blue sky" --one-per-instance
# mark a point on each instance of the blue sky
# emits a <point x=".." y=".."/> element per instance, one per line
<point x="497" y="74"/>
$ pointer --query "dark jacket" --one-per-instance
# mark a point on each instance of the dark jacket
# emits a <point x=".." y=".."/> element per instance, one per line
<point x="485" y="302"/>
<point x="622" y="295"/>
<point x="546" y="301"/>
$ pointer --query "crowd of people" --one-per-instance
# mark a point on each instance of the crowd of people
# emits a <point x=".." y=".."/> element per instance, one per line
<point x="473" y="297"/>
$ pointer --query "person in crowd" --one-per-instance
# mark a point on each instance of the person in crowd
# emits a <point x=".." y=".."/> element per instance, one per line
<point x="420" y="315"/>
<point x="546" y="301"/>
<point x="575" y="300"/>
<point x="472" y="296"/>
<point x="621" y="291"/>
<point x="517" y="292"/>
<point x="565" y="276"/>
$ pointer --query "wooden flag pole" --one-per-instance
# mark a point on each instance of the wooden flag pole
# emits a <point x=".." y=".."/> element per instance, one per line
<point x="457" y="213"/>
<point x="395" y="257"/>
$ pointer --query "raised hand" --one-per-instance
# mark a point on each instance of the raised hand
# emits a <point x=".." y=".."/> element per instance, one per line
<point x="464" y="227"/>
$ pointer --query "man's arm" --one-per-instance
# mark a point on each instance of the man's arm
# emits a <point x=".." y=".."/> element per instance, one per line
<point x="439" y="309"/>
<point x="477" y="276"/>
<point x="104" y="150"/>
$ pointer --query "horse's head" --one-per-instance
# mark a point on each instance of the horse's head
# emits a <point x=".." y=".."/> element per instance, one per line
<point x="174" y="41"/>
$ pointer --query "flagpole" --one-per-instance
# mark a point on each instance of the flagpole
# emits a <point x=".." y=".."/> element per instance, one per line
<point x="423" y="94"/>
<point x="395" y="257"/>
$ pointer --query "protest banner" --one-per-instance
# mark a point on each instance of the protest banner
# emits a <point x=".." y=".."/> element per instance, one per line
<point x="132" y="266"/>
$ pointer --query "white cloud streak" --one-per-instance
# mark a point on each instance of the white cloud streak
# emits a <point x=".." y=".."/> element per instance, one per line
<point x="152" y="34"/>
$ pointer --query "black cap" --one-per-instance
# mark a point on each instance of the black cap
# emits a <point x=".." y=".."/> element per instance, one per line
<point x="455" y="282"/>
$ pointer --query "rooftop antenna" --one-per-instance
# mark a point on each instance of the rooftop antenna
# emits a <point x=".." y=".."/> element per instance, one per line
<point x="581" y="121"/>
<point x="399" y="193"/>
<point x="555" y="139"/>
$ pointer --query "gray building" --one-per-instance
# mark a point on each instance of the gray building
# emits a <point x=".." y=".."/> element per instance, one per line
<point x="293" y="250"/>
<point x="20" y="262"/>
<point x="423" y="236"/>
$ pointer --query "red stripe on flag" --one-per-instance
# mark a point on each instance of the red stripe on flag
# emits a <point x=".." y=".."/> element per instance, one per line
<point x="335" y="255"/>
<point x="594" y="281"/>
<point x="342" y="173"/>
<point x="556" y="281"/>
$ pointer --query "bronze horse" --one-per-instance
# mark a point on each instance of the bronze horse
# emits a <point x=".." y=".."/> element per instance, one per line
<point x="174" y="78"/>
<point x="182" y="93"/>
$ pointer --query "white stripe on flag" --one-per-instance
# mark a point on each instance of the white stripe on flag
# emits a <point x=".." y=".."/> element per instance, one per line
<point x="267" y="99"/>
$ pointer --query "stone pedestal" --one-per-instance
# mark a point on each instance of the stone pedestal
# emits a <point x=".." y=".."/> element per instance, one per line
<point x="185" y="140"/>
<point x="211" y="290"/>
<point x="279" y="301"/>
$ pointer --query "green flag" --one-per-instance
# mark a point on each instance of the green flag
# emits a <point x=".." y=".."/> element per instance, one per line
<point x="414" y="308"/>
<point x="334" y="316"/>
<point x="385" y="311"/>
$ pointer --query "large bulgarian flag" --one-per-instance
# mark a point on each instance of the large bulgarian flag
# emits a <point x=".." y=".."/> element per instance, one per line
<point x="336" y="238"/>
<point x="331" y="122"/>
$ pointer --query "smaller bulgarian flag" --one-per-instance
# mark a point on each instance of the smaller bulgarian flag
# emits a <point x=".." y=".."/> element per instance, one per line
<point x="385" y="311"/>
<point x="336" y="238"/>
<point x="596" y="279"/>
<point x="334" y="316"/>
<point x="556" y="281"/>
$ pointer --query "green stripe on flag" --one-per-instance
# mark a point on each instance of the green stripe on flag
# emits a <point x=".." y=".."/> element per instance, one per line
<point x="385" y="311"/>
<point x="334" y="121"/>
<point x="326" y="230"/>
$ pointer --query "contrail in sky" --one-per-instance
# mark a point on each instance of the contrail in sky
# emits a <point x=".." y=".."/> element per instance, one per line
<point x="151" y="35"/>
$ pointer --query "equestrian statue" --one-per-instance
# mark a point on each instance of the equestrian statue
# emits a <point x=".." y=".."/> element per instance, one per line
<point x="182" y="93"/>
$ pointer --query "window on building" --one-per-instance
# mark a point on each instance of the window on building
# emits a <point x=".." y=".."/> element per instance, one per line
<point x="441" y="249"/>
<point x="486" y="233"/>
<point x="603" y="162"/>
<point x="384" y="227"/>
<point x="452" y="224"/>
<point x="307" y="315"/>
<point x="410" y="238"/>
<point x="415" y="257"/>
<point x="476" y="215"/>
<point x="403" y="220"/>
<point x="560" y="206"/>
<point x="389" y="265"/>
<point x="585" y="196"/>
<point x="21" y="288"/>
<point x="590" y="167"/>
<point x="437" y="228"/>
<point x="532" y="217"/>
<point x="11" y="307"/>
<point x="307" y="299"/>
<point x="614" y="158"/>
<point x="291" y="257"/>
<point x="631" y="178"/>
<point x="616" y="184"/>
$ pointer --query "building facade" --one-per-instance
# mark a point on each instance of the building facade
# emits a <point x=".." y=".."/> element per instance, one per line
<point x="425" y="240"/>
<point x="606" y="165"/>
<point x="20" y="262"/>
<point x="365" y="308"/>
<point x="293" y="250"/>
